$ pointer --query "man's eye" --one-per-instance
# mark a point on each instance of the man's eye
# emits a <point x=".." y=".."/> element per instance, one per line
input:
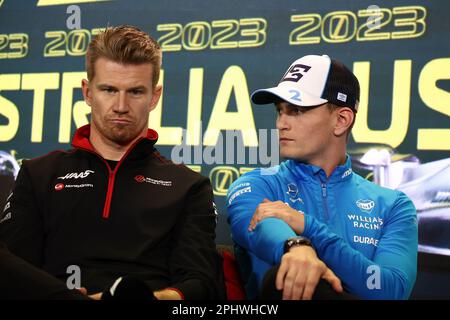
<point x="109" y="90"/>
<point x="297" y="111"/>
<point x="136" y="92"/>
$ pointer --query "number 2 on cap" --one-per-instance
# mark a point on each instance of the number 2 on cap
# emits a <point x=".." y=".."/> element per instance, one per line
<point x="295" y="95"/>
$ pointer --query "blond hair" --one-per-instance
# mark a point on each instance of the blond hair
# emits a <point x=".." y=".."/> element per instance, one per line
<point x="126" y="45"/>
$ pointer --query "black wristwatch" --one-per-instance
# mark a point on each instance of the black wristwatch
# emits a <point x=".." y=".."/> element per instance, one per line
<point x="296" y="241"/>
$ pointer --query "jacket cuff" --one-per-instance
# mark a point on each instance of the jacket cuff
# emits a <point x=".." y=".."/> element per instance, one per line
<point x="308" y="223"/>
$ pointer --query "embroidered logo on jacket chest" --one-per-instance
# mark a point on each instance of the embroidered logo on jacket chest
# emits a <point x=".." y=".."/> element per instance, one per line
<point x="365" y="218"/>
<point x="76" y="175"/>
<point x="292" y="192"/>
<point x="141" y="179"/>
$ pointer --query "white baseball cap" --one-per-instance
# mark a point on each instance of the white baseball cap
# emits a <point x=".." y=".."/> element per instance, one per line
<point x="311" y="81"/>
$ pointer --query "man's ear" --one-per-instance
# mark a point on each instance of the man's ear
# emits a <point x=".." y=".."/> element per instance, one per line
<point x="86" y="91"/>
<point x="156" y="96"/>
<point x="344" y="120"/>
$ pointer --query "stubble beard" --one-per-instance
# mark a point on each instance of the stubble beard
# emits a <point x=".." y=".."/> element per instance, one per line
<point x="121" y="134"/>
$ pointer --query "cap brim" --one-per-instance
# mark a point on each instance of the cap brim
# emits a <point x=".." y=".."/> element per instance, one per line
<point x="293" y="96"/>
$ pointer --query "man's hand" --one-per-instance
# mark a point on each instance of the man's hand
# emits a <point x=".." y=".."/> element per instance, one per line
<point x="300" y="271"/>
<point x="167" y="294"/>
<point x="278" y="209"/>
<point x="96" y="296"/>
<point x="82" y="290"/>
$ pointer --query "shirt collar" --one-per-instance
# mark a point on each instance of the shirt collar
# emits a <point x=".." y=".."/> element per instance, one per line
<point x="81" y="140"/>
<point x="308" y="171"/>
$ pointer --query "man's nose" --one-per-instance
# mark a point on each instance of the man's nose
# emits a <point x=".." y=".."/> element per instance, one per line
<point x="282" y="123"/>
<point x="121" y="105"/>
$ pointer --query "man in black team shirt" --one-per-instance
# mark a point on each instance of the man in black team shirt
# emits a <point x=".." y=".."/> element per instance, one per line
<point x="112" y="206"/>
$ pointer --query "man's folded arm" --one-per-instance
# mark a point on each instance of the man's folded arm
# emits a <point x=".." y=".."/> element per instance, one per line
<point x="267" y="240"/>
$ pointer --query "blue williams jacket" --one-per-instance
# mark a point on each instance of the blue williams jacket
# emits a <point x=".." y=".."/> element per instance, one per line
<point x="365" y="233"/>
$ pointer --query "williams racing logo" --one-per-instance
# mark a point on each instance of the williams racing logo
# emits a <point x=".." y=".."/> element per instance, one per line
<point x="366" y="205"/>
<point x="364" y="221"/>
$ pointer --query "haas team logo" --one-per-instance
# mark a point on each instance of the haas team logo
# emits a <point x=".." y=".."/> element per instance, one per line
<point x="76" y="175"/>
<point x="140" y="178"/>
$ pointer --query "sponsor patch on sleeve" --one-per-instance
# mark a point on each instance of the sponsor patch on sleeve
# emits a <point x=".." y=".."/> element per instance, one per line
<point x="238" y="193"/>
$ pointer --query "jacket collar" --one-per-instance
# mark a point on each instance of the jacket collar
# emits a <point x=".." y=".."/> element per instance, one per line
<point x="145" y="144"/>
<point x="311" y="172"/>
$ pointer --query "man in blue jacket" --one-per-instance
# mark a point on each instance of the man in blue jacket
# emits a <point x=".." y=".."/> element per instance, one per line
<point x="313" y="218"/>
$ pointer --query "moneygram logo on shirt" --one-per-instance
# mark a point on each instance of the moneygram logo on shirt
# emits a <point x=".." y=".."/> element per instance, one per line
<point x="366" y="205"/>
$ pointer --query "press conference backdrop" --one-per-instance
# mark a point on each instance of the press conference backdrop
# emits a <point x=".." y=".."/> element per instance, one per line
<point x="215" y="54"/>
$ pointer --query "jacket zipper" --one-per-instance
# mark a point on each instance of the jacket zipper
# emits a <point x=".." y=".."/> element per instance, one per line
<point x="324" y="199"/>
<point x="111" y="178"/>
